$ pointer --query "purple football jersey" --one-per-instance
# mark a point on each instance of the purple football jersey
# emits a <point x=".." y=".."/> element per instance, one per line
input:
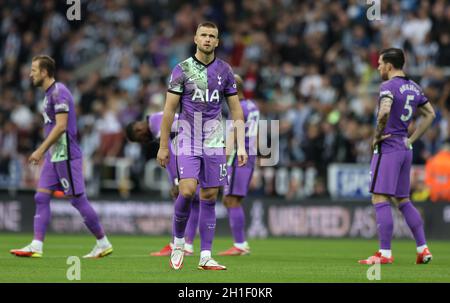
<point x="251" y="118"/>
<point x="406" y="96"/>
<point x="203" y="88"/>
<point x="58" y="99"/>
<point x="154" y="123"/>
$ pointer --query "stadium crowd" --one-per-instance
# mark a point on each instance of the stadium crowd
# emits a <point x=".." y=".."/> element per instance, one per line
<point x="310" y="64"/>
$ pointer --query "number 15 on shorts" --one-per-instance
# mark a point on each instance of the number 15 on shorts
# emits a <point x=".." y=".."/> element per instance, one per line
<point x="223" y="171"/>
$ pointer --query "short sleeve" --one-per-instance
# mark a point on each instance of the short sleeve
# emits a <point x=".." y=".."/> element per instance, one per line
<point x="154" y="123"/>
<point x="423" y="99"/>
<point x="386" y="91"/>
<point x="176" y="81"/>
<point x="60" y="101"/>
<point x="230" y="84"/>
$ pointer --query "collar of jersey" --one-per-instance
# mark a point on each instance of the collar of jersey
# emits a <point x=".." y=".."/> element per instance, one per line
<point x="48" y="89"/>
<point x="401" y="77"/>
<point x="205" y="65"/>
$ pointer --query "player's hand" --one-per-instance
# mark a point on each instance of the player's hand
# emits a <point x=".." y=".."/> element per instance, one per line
<point x="35" y="157"/>
<point x="408" y="143"/>
<point x="163" y="156"/>
<point x="378" y="140"/>
<point x="242" y="157"/>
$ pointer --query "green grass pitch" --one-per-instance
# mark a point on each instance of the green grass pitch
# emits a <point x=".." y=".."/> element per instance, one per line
<point x="272" y="260"/>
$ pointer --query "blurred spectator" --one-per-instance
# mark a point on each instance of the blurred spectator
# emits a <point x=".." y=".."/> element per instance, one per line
<point x="8" y="146"/>
<point x="437" y="174"/>
<point x="310" y="64"/>
<point x="109" y="129"/>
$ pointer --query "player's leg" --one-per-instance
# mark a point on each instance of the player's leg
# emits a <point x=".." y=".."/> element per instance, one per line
<point x="70" y="175"/>
<point x="48" y="182"/>
<point x="415" y="223"/>
<point x="236" y="219"/>
<point x="182" y="210"/>
<point x="385" y="222"/>
<point x="103" y="247"/>
<point x="42" y="215"/>
<point x="192" y="224"/>
<point x="191" y="227"/>
<point x="410" y="213"/>
<point x="234" y="193"/>
<point x="207" y="228"/>
<point x="41" y="221"/>
<point x="384" y="170"/>
<point x="188" y="170"/>
<point x="385" y="227"/>
<point x="212" y="177"/>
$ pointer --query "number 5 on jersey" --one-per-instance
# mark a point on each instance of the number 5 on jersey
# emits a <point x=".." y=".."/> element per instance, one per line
<point x="408" y="108"/>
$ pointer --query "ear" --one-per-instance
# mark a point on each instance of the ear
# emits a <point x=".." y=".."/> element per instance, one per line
<point x="217" y="43"/>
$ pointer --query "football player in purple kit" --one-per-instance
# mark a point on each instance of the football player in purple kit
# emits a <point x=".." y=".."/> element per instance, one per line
<point x="149" y="130"/>
<point x="239" y="177"/>
<point x="399" y="100"/>
<point x="63" y="167"/>
<point x="199" y="85"/>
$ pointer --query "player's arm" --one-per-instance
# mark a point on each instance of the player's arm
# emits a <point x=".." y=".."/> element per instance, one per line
<point x="170" y="108"/>
<point x="428" y="115"/>
<point x="53" y="136"/>
<point x="382" y="119"/>
<point x="230" y="143"/>
<point x="238" y="117"/>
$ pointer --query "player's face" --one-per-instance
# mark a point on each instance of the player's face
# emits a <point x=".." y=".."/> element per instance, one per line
<point x="141" y="132"/>
<point x="207" y="39"/>
<point x="383" y="68"/>
<point x="36" y="74"/>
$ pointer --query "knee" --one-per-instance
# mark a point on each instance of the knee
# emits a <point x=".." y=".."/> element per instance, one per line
<point x="75" y="200"/>
<point x="188" y="192"/>
<point x="42" y="198"/>
<point x="379" y="199"/>
<point x="400" y="203"/>
<point x="229" y="202"/>
<point x="208" y="195"/>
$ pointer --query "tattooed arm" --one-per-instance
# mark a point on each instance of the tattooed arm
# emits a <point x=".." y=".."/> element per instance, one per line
<point x="382" y="119"/>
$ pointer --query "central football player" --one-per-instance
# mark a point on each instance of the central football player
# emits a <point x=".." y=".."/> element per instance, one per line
<point x="199" y="85"/>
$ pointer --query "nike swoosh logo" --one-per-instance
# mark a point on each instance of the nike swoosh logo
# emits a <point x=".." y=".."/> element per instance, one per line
<point x="178" y="264"/>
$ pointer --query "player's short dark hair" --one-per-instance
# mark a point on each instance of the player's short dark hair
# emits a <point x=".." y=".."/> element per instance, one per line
<point x="208" y="24"/>
<point x="395" y="56"/>
<point x="47" y="63"/>
<point x="129" y="131"/>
